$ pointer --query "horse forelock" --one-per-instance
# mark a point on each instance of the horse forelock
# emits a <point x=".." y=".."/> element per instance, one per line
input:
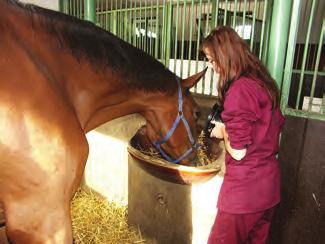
<point x="89" y="43"/>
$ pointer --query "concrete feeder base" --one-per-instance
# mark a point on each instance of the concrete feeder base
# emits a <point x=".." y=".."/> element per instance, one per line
<point x="167" y="212"/>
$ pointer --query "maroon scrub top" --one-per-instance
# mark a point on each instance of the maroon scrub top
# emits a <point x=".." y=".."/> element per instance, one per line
<point x="253" y="183"/>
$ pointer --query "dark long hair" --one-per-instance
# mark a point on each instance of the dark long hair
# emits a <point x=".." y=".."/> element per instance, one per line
<point x="233" y="58"/>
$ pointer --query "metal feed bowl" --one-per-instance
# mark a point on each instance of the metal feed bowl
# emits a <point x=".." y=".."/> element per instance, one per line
<point x="171" y="172"/>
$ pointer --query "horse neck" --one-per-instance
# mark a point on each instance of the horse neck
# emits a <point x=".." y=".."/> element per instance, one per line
<point x="118" y="103"/>
<point x="95" y="96"/>
<point x="99" y="98"/>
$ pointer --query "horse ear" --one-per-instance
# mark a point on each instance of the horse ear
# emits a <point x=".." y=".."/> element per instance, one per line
<point x="192" y="80"/>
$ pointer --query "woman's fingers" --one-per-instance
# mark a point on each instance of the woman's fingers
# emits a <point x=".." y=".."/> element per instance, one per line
<point x="217" y="131"/>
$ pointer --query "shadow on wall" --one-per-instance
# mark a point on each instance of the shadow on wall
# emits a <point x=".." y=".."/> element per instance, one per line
<point x="106" y="171"/>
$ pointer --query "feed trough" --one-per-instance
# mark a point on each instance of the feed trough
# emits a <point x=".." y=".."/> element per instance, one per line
<point x="165" y="170"/>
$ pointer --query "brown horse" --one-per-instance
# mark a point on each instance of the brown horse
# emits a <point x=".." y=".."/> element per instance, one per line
<point x="61" y="77"/>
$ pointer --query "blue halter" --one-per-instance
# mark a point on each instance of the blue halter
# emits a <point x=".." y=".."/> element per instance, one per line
<point x="180" y="117"/>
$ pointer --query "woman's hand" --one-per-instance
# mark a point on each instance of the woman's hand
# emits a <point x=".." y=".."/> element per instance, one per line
<point x="218" y="130"/>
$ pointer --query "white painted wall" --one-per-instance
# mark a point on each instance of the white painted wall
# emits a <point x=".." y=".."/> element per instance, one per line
<point x="106" y="170"/>
<point x="50" y="4"/>
<point x="187" y="68"/>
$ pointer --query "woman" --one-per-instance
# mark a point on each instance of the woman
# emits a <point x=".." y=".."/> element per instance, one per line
<point x="252" y="121"/>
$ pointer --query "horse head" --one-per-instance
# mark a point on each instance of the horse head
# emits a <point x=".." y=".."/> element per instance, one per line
<point x="172" y="124"/>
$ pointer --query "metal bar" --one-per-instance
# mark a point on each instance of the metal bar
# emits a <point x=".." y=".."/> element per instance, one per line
<point x="61" y="6"/>
<point x="278" y="38"/>
<point x="78" y="9"/>
<point x="263" y="29"/>
<point x="217" y="15"/>
<point x="225" y="13"/>
<point x="207" y="5"/>
<point x="253" y="26"/>
<point x="125" y="24"/>
<point x="98" y="12"/>
<point x="213" y="13"/>
<point x="303" y="66"/>
<point x="190" y="38"/>
<point x="244" y="19"/>
<point x="134" y="42"/>
<point x="168" y="32"/>
<point x="176" y="36"/>
<point x="215" y="21"/>
<point x="198" y="42"/>
<point x="151" y="30"/>
<point x="163" y="34"/>
<point x="140" y="13"/>
<point x="114" y="23"/>
<point x="320" y="44"/>
<point x="158" y="36"/>
<point x="74" y="8"/>
<point x="90" y="11"/>
<point x="183" y="36"/>
<point x="205" y="34"/>
<point x="102" y="14"/>
<point x="138" y="37"/>
<point x="111" y="18"/>
<point x="296" y="8"/>
<point x="133" y="8"/>
<point x="70" y="7"/>
<point x="106" y="16"/>
<point x="130" y="29"/>
<point x="304" y="114"/>
<point x="235" y="15"/>
<point x="145" y="27"/>
<point x="308" y="72"/>
<point x="120" y="22"/>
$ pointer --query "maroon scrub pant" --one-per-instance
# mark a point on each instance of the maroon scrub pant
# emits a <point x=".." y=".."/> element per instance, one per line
<point x="252" y="228"/>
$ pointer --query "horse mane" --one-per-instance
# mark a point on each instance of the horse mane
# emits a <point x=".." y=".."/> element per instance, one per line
<point x="87" y="41"/>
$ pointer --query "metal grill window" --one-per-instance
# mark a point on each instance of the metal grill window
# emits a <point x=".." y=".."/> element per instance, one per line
<point x="303" y="92"/>
<point x="172" y="31"/>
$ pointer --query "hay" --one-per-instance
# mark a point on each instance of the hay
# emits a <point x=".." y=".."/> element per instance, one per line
<point x="206" y="160"/>
<point x="202" y="151"/>
<point x="97" y="221"/>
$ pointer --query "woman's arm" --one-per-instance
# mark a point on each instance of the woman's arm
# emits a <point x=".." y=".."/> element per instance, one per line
<point x="219" y="131"/>
<point x="237" y="154"/>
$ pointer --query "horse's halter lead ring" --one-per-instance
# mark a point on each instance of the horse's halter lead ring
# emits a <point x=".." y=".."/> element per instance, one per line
<point x="180" y="117"/>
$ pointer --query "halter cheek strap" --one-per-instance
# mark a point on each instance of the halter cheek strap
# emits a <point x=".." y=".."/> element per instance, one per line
<point x="180" y="117"/>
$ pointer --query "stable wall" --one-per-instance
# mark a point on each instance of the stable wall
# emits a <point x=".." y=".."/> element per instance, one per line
<point x="301" y="215"/>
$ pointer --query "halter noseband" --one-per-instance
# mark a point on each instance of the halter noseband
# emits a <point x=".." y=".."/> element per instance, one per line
<point x="180" y="117"/>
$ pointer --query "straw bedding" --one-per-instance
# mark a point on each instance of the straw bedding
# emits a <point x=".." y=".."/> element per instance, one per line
<point x="97" y="221"/>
